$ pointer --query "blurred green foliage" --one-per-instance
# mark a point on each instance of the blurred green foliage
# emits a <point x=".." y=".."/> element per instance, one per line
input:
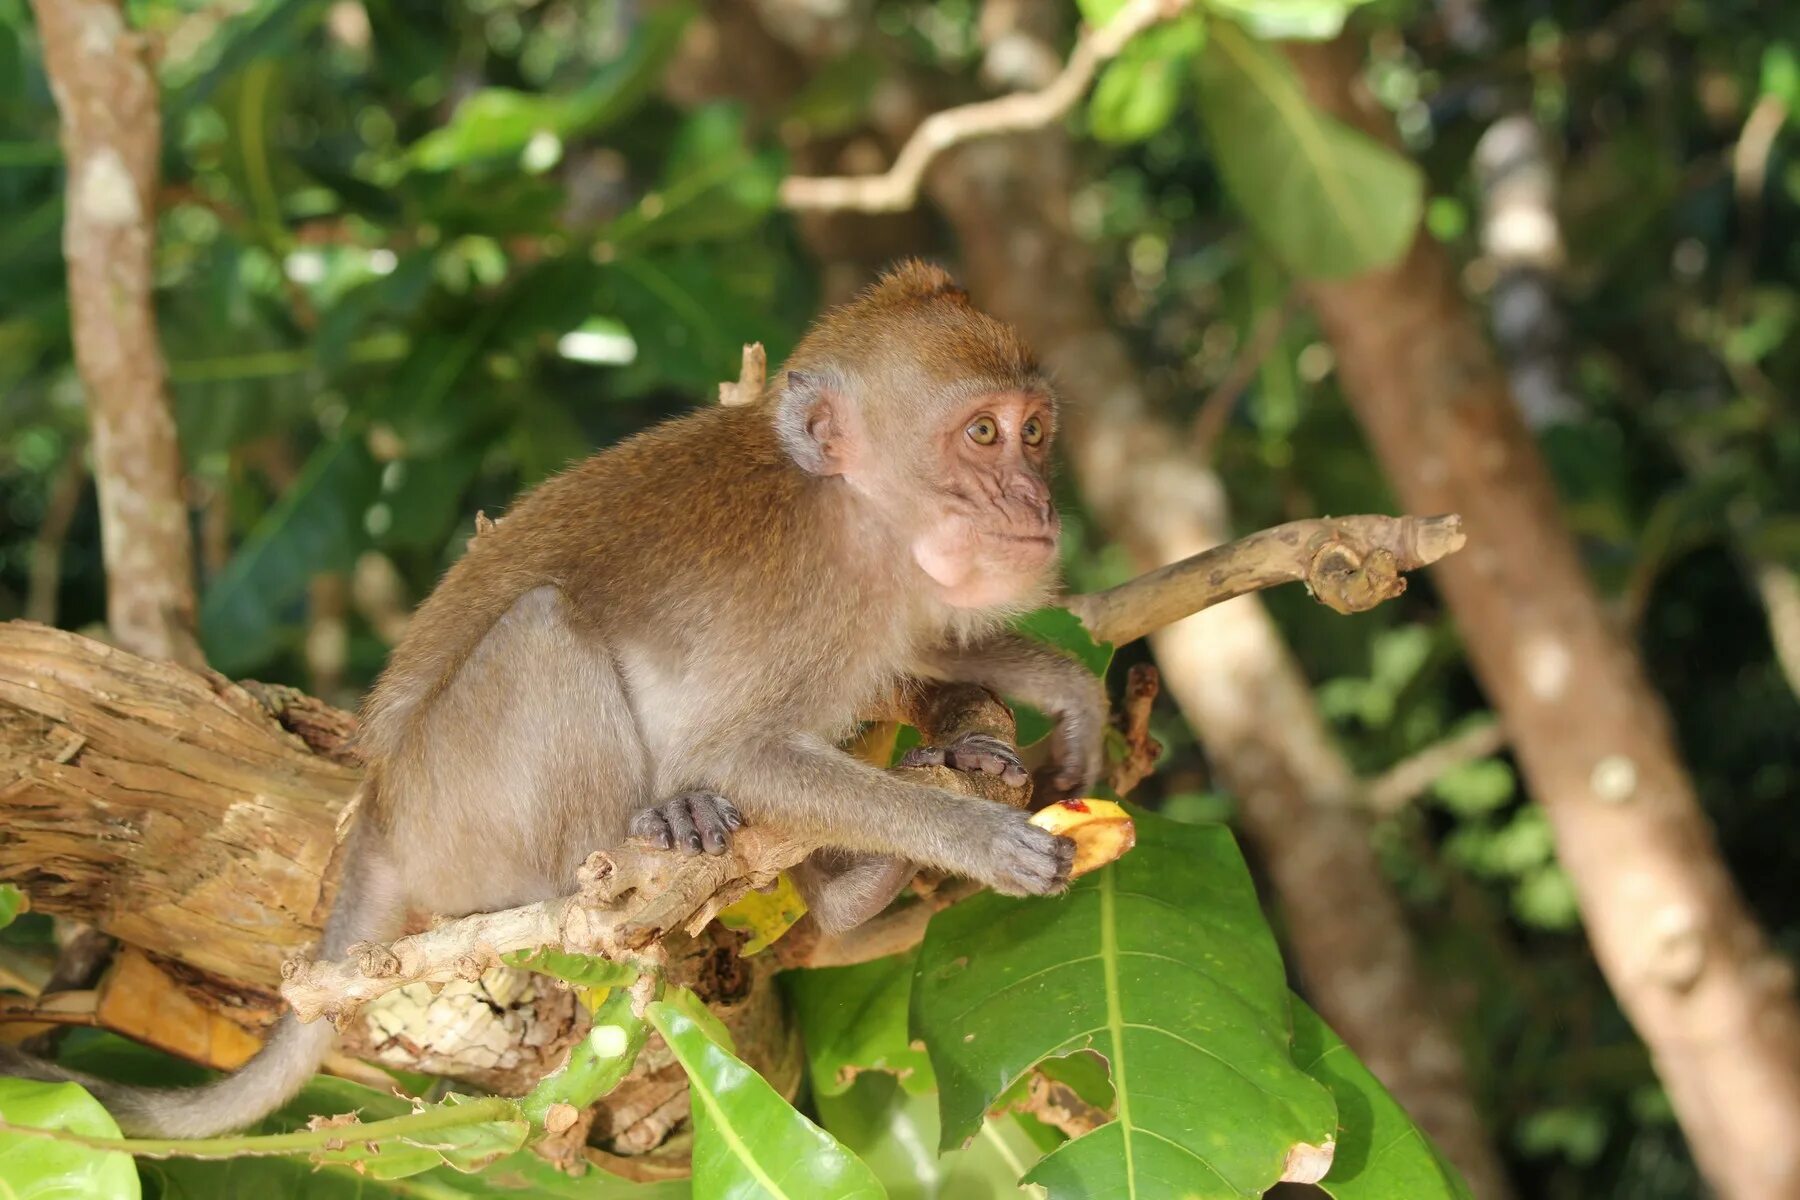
<point x="415" y="256"/>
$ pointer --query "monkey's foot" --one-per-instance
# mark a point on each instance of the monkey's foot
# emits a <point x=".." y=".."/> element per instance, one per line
<point x="972" y="754"/>
<point x="688" y="824"/>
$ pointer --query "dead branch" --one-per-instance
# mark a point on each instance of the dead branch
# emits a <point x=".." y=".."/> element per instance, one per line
<point x="111" y="131"/>
<point x="898" y="187"/>
<point x="1350" y="564"/>
<point x="1142" y="683"/>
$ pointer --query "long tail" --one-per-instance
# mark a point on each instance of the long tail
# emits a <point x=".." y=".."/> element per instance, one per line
<point x="369" y="907"/>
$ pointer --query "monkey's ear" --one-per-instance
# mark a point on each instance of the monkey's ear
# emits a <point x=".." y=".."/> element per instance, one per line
<point x="813" y="423"/>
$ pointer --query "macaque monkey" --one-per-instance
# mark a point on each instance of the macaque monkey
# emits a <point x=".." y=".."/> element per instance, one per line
<point x="669" y="640"/>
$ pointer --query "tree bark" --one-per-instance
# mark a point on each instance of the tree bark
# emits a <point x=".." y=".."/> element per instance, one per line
<point x="1683" y="954"/>
<point x="111" y="132"/>
<point x="1228" y="668"/>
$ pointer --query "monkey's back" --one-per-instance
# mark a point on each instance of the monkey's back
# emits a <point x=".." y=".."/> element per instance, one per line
<point x="672" y="547"/>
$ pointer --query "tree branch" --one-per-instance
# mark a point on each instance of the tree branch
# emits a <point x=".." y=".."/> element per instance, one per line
<point x="111" y="138"/>
<point x="1349" y="563"/>
<point x="898" y="187"/>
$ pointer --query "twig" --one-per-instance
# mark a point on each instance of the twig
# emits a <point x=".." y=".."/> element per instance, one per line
<point x="1142" y="683"/>
<point x="1350" y="564"/>
<point x="1400" y="784"/>
<point x="752" y="378"/>
<point x="1222" y="401"/>
<point x="898" y="187"/>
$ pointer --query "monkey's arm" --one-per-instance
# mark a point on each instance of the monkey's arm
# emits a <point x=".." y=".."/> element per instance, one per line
<point x="1044" y="678"/>
<point x="804" y="784"/>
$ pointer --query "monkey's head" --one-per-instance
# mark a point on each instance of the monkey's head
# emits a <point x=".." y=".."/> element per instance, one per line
<point x="939" y="417"/>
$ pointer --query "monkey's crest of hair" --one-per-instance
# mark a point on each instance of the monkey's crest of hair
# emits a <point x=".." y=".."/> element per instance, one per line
<point x="917" y="310"/>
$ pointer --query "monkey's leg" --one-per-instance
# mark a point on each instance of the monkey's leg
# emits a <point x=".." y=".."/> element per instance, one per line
<point x="689" y="824"/>
<point x="805" y="784"/>
<point x="843" y="890"/>
<point x="1046" y="679"/>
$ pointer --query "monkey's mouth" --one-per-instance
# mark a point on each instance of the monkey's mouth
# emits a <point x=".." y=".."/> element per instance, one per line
<point x="1041" y="541"/>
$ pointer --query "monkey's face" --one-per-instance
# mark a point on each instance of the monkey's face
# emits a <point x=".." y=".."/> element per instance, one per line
<point x="990" y="534"/>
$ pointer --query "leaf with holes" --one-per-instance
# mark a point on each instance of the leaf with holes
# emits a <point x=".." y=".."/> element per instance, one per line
<point x="1161" y="964"/>
<point x="853" y="1019"/>
<point x="1327" y="199"/>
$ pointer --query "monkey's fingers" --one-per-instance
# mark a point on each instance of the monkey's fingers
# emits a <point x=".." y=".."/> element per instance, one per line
<point x="691" y="823"/>
<point x="972" y="754"/>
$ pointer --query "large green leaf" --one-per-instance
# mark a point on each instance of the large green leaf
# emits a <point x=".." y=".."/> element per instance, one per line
<point x="1381" y="1154"/>
<point x="1160" y="963"/>
<point x="853" y="1019"/>
<point x="36" y="1168"/>
<point x="317" y="526"/>
<point x="1329" y="200"/>
<point x="896" y="1133"/>
<point x="748" y="1141"/>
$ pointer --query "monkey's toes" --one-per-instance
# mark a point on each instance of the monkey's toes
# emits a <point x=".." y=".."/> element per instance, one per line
<point x="691" y="823"/>
<point x="972" y="754"/>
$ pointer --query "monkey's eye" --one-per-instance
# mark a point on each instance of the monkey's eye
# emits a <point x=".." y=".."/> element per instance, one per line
<point x="982" y="431"/>
<point x="1032" y="432"/>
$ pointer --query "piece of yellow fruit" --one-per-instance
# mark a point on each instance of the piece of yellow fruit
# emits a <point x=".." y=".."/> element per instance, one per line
<point x="1100" y="829"/>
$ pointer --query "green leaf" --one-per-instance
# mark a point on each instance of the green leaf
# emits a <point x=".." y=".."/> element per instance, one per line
<point x="896" y="1133"/>
<point x="748" y="1141"/>
<point x="585" y="970"/>
<point x="1161" y="964"/>
<point x="1327" y="199"/>
<point x="36" y="1168"/>
<point x="317" y="526"/>
<point x="853" y="1019"/>
<point x="1063" y="629"/>
<point x="1138" y="92"/>
<point x="12" y="903"/>
<point x="1276" y="20"/>
<point x="1381" y="1154"/>
<point x="500" y="122"/>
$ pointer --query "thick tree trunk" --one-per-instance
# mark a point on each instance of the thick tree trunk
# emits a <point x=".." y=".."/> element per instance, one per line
<point x="112" y="139"/>
<point x="1684" y="956"/>
<point x="1228" y="668"/>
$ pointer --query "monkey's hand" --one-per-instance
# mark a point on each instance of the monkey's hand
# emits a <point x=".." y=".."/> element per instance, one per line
<point x="1016" y="858"/>
<point x="688" y="824"/>
<point x="972" y="754"/>
<point x="1077" y="755"/>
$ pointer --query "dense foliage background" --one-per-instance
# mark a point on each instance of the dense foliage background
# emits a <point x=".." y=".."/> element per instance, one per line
<point x="414" y="257"/>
